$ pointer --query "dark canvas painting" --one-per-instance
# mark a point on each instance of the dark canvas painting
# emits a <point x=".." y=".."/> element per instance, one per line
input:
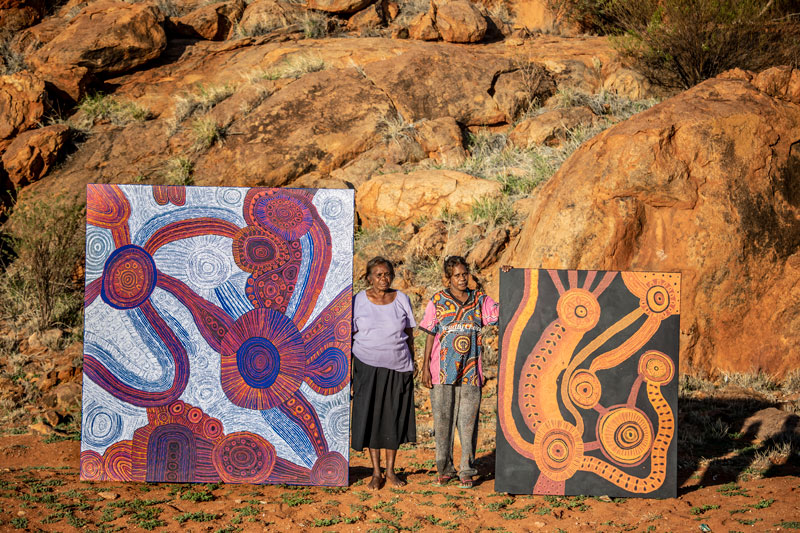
<point x="217" y="335"/>
<point x="588" y="387"/>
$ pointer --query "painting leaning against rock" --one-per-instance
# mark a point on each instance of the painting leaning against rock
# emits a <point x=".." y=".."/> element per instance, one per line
<point x="587" y="389"/>
<point x="217" y="331"/>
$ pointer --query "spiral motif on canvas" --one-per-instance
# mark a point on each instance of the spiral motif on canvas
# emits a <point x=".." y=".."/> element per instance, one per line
<point x="287" y="215"/>
<point x="244" y="457"/>
<point x="656" y="367"/>
<point x="626" y="435"/>
<point x="258" y="251"/>
<point x="91" y="466"/>
<point x="117" y="461"/>
<point x="330" y="469"/>
<point x="102" y="426"/>
<point x="99" y="245"/>
<point x="558" y="449"/>
<point x="208" y="268"/>
<point x="129" y="277"/>
<point x="578" y="310"/>
<point x="585" y="389"/>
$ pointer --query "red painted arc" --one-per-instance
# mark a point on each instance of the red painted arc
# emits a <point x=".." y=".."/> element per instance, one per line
<point x="185" y="229"/>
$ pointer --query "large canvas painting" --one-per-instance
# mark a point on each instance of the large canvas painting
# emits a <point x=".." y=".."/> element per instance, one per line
<point x="217" y="334"/>
<point x="588" y="388"/>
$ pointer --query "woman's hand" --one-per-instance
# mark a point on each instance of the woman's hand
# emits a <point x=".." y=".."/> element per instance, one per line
<point x="426" y="378"/>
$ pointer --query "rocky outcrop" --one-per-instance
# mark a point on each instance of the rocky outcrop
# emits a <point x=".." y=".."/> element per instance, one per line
<point x="706" y="184"/>
<point x="340" y="7"/>
<point x="213" y="22"/>
<point x="22" y="104"/>
<point x="32" y="153"/>
<point x="18" y="14"/>
<point x="401" y="198"/>
<point x="422" y="28"/>
<point x="301" y="128"/>
<point x="438" y="82"/>
<point x="442" y="140"/>
<point x="459" y="21"/>
<point x="551" y="127"/>
<point x="107" y="37"/>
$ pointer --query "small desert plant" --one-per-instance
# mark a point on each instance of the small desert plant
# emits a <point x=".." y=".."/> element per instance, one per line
<point x="395" y="128"/>
<point x="202" y="99"/>
<point x="206" y="133"/>
<point x="493" y="211"/>
<point x="178" y="171"/>
<point x="10" y="60"/>
<point x="295" y="66"/>
<point x="315" y="25"/>
<point x="47" y="238"/>
<point x="103" y="107"/>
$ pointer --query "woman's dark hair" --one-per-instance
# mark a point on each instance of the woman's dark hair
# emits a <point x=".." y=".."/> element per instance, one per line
<point x="378" y="260"/>
<point x="451" y="262"/>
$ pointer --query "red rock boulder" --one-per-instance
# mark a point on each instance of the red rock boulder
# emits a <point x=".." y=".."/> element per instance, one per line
<point x="459" y="21"/>
<point x="706" y="183"/>
<point x="18" y="14"/>
<point x="213" y="22"/>
<point x="107" y="37"/>
<point x="32" y="153"/>
<point x="22" y="104"/>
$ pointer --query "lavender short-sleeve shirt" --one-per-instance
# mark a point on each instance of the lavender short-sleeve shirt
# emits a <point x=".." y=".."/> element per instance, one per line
<point x="379" y="337"/>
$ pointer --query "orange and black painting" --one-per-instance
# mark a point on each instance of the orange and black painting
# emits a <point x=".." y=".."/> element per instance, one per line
<point x="588" y="387"/>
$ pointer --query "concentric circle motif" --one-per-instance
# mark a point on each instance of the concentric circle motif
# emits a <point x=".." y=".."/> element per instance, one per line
<point x="626" y="435"/>
<point x="585" y="389"/>
<point x="91" y="466"/>
<point x="330" y="469"/>
<point x="558" y="449"/>
<point x="462" y="344"/>
<point x="342" y="331"/>
<point x="128" y="277"/>
<point x="259" y="362"/>
<point x="656" y="367"/>
<point x="659" y="300"/>
<point x="288" y="216"/>
<point x="212" y="428"/>
<point x="578" y="310"/>
<point x="101" y="426"/>
<point x="332" y="208"/>
<point x="194" y="415"/>
<point x="208" y="268"/>
<point x="176" y="408"/>
<point x="257" y="251"/>
<point x="99" y="245"/>
<point x="263" y="360"/>
<point x="244" y="457"/>
<point x="117" y="461"/>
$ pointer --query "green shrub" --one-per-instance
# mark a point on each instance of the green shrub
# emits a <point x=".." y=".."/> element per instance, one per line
<point x="47" y="238"/>
<point x="118" y="112"/>
<point x="679" y="43"/>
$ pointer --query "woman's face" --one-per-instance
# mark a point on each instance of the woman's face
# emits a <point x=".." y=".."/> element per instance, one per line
<point x="380" y="277"/>
<point x="459" y="277"/>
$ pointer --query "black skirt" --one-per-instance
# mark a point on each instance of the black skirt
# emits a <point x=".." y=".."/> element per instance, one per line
<point x="383" y="407"/>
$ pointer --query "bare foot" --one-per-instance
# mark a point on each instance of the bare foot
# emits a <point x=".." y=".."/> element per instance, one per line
<point x="395" y="481"/>
<point x="375" y="483"/>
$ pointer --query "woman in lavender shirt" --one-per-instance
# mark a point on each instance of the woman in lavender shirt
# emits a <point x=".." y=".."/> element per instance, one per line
<point x="383" y="371"/>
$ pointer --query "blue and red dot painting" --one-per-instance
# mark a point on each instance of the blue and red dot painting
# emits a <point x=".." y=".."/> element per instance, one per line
<point x="217" y="334"/>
